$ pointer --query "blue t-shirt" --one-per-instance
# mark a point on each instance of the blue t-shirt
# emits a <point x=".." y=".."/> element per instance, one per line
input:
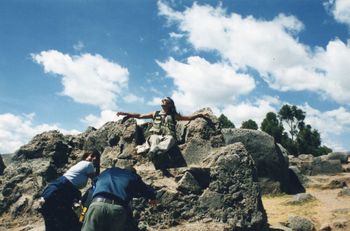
<point x="122" y="184"/>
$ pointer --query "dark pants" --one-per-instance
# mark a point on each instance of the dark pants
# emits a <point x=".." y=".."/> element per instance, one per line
<point x="59" y="218"/>
<point x="57" y="209"/>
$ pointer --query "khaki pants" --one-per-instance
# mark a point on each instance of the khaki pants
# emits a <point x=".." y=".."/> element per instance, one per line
<point x="157" y="143"/>
<point x="104" y="217"/>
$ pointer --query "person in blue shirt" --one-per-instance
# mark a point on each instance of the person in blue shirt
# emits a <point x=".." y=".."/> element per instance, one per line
<point x="115" y="188"/>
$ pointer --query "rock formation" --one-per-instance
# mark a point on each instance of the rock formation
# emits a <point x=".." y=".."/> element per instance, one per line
<point x="270" y="158"/>
<point x="212" y="175"/>
<point x="310" y="165"/>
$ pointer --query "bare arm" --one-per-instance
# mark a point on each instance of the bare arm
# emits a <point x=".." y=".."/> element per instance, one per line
<point x="192" y="117"/>
<point x="136" y="115"/>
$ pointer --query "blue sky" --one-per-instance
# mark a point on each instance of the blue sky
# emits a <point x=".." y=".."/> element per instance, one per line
<point x="70" y="64"/>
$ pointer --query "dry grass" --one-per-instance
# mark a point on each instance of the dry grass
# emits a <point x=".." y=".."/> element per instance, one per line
<point x="326" y="209"/>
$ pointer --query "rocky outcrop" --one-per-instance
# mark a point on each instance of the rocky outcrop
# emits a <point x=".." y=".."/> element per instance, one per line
<point x="207" y="178"/>
<point x="342" y="156"/>
<point x="270" y="158"/>
<point x="224" y="188"/>
<point x="310" y="165"/>
<point x="199" y="138"/>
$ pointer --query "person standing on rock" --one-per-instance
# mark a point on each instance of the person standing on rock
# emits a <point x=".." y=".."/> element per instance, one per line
<point x="59" y="196"/>
<point x="115" y="188"/>
<point x="163" y="129"/>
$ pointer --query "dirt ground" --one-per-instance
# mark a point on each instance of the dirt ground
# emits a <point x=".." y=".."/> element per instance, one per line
<point x="328" y="208"/>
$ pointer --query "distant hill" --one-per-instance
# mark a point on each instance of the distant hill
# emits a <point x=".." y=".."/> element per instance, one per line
<point x="7" y="158"/>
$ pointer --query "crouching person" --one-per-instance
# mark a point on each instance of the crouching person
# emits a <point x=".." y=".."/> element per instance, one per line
<point x="115" y="188"/>
<point x="59" y="196"/>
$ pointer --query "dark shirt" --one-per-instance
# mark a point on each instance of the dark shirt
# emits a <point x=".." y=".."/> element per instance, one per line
<point x="121" y="184"/>
<point x="61" y="191"/>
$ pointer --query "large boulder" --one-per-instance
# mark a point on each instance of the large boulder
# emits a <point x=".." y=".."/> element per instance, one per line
<point x="342" y="156"/>
<point x="310" y="165"/>
<point x="199" y="137"/>
<point x="271" y="161"/>
<point x="224" y="188"/>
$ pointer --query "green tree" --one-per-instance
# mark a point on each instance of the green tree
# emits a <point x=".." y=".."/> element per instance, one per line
<point x="323" y="150"/>
<point x="289" y="144"/>
<point x="308" y="140"/>
<point x="224" y="122"/>
<point x="250" y="124"/>
<point x="272" y="126"/>
<point x="293" y="117"/>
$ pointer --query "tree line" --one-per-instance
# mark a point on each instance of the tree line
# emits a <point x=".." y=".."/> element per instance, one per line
<point x="297" y="137"/>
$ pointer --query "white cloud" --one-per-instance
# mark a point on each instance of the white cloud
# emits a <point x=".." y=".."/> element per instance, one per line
<point x="269" y="46"/>
<point x="78" y="46"/>
<point x="340" y="10"/>
<point x="156" y="101"/>
<point x="18" y="130"/>
<point x="247" y="110"/>
<point x="88" y="79"/>
<point x="330" y="124"/>
<point x="97" y="122"/>
<point x="104" y="117"/>
<point x="131" y="98"/>
<point x="200" y="83"/>
<point x="334" y="62"/>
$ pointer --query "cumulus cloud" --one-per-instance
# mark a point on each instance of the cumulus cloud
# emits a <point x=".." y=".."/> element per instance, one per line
<point x="271" y="47"/>
<point x="104" y="117"/>
<point x="329" y="123"/>
<point x="88" y="79"/>
<point x="18" y="130"/>
<point x="98" y="121"/>
<point x="251" y="110"/>
<point x="131" y="98"/>
<point x="334" y="62"/>
<point x="199" y="82"/>
<point x="340" y="10"/>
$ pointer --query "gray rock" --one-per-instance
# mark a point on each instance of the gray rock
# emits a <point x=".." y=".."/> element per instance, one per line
<point x="344" y="192"/>
<point x="7" y="158"/>
<point x="326" y="167"/>
<point x="189" y="184"/>
<point x="268" y="157"/>
<point x="337" y="183"/>
<point x="302" y="179"/>
<point x="310" y="165"/>
<point x="301" y="198"/>
<point x="226" y="175"/>
<point x="297" y="223"/>
<point x="234" y="185"/>
<point x="342" y="156"/>
<point x="284" y="152"/>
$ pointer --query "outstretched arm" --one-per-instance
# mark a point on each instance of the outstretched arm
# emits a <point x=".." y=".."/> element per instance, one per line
<point x="192" y="117"/>
<point x="136" y="115"/>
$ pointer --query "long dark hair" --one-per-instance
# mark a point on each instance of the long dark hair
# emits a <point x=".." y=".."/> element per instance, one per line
<point x="96" y="163"/>
<point x="172" y="107"/>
